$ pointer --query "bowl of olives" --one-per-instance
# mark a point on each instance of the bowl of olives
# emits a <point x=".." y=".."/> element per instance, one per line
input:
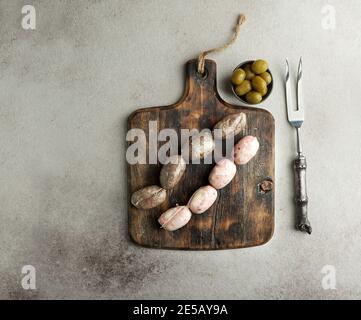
<point x="252" y="81"/>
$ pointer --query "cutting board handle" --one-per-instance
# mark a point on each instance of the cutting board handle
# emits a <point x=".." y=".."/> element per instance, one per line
<point x="195" y="81"/>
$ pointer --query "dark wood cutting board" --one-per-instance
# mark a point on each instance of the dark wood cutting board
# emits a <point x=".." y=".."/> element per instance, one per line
<point x="243" y="215"/>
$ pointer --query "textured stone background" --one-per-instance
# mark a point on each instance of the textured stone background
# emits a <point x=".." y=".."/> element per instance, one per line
<point x="66" y="90"/>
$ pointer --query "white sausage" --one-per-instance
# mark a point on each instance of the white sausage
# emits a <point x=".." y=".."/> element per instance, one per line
<point x="202" y="199"/>
<point x="175" y="218"/>
<point x="245" y="150"/>
<point x="222" y="173"/>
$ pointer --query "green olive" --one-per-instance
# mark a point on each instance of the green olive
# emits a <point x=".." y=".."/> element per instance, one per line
<point x="243" y="88"/>
<point x="259" y="66"/>
<point x="253" y="97"/>
<point x="263" y="91"/>
<point x="249" y="73"/>
<point x="238" y="76"/>
<point x="265" y="76"/>
<point x="258" y="84"/>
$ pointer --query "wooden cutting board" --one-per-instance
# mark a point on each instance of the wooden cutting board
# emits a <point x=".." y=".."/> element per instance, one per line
<point x="243" y="215"/>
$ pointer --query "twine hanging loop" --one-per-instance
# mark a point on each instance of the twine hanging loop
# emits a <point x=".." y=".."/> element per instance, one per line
<point x="202" y="56"/>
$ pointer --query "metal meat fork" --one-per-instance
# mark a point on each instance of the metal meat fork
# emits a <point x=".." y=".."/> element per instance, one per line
<point x="296" y="118"/>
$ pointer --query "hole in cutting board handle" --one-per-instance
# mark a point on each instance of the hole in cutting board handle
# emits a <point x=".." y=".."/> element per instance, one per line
<point x="202" y="76"/>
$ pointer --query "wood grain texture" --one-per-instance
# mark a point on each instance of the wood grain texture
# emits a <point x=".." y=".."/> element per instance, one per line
<point x="243" y="215"/>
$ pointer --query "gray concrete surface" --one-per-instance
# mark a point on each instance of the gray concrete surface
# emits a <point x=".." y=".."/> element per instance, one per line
<point x="66" y="90"/>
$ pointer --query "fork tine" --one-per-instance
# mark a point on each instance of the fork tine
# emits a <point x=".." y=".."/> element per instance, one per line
<point x="299" y="87"/>
<point x="299" y="76"/>
<point x="287" y="70"/>
<point x="295" y="115"/>
<point x="288" y="91"/>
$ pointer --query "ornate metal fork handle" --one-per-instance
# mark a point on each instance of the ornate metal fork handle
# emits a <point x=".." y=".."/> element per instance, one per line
<point x="296" y="118"/>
